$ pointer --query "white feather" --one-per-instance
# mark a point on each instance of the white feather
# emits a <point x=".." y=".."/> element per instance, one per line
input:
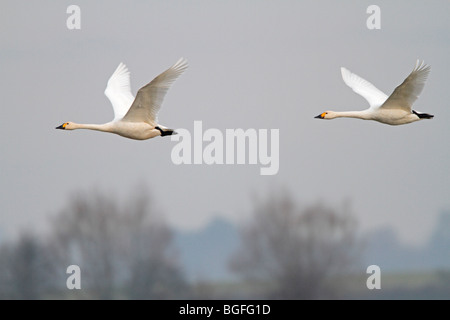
<point x="118" y="91"/>
<point x="368" y="91"/>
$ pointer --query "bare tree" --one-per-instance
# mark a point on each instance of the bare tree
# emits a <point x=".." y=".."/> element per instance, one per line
<point x="122" y="253"/>
<point x="294" y="252"/>
<point x="24" y="269"/>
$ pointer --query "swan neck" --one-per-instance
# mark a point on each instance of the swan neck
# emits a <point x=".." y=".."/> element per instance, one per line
<point x="352" y="114"/>
<point x="99" y="127"/>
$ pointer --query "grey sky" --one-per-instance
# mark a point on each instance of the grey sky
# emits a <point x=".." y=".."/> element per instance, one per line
<point x="253" y="64"/>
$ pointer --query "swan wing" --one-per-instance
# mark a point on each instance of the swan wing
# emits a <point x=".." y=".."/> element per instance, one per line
<point x="407" y="93"/>
<point x="368" y="91"/>
<point x="150" y="97"/>
<point x="118" y="91"/>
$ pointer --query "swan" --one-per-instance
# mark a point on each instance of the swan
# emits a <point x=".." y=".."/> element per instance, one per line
<point x="392" y="110"/>
<point x="135" y="118"/>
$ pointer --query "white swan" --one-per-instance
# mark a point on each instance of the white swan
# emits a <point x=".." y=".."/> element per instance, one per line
<point x="135" y="118"/>
<point x="393" y="110"/>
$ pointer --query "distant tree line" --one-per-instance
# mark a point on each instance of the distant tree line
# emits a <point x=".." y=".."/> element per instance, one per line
<point x="127" y="252"/>
<point x="123" y="253"/>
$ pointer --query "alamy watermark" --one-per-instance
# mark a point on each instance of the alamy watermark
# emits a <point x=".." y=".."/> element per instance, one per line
<point x="374" y="20"/>
<point x="374" y="280"/>
<point x="236" y="146"/>
<point x="74" y="280"/>
<point x="73" y="21"/>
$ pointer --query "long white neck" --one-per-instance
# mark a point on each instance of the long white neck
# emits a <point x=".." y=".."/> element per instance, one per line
<point x="352" y="114"/>
<point x="106" y="127"/>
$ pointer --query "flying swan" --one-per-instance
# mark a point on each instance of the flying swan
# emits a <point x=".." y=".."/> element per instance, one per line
<point x="135" y="118"/>
<point x="393" y="110"/>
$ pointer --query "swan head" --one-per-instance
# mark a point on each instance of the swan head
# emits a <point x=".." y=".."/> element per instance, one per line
<point x="326" y="115"/>
<point x="66" y="126"/>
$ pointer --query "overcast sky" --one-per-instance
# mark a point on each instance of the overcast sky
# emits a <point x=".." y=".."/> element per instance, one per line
<point x="252" y="64"/>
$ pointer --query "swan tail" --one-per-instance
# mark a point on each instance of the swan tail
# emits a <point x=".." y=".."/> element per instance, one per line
<point x="165" y="131"/>
<point x="423" y="115"/>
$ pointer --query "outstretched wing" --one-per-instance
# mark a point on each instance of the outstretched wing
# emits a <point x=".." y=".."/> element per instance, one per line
<point x="150" y="97"/>
<point x="118" y="91"/>
<point x="407" y="93"/>
<point x="368" y="91"/>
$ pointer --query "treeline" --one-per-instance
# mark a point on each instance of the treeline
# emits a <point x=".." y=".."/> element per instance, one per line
<point x="128" y="252"/>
